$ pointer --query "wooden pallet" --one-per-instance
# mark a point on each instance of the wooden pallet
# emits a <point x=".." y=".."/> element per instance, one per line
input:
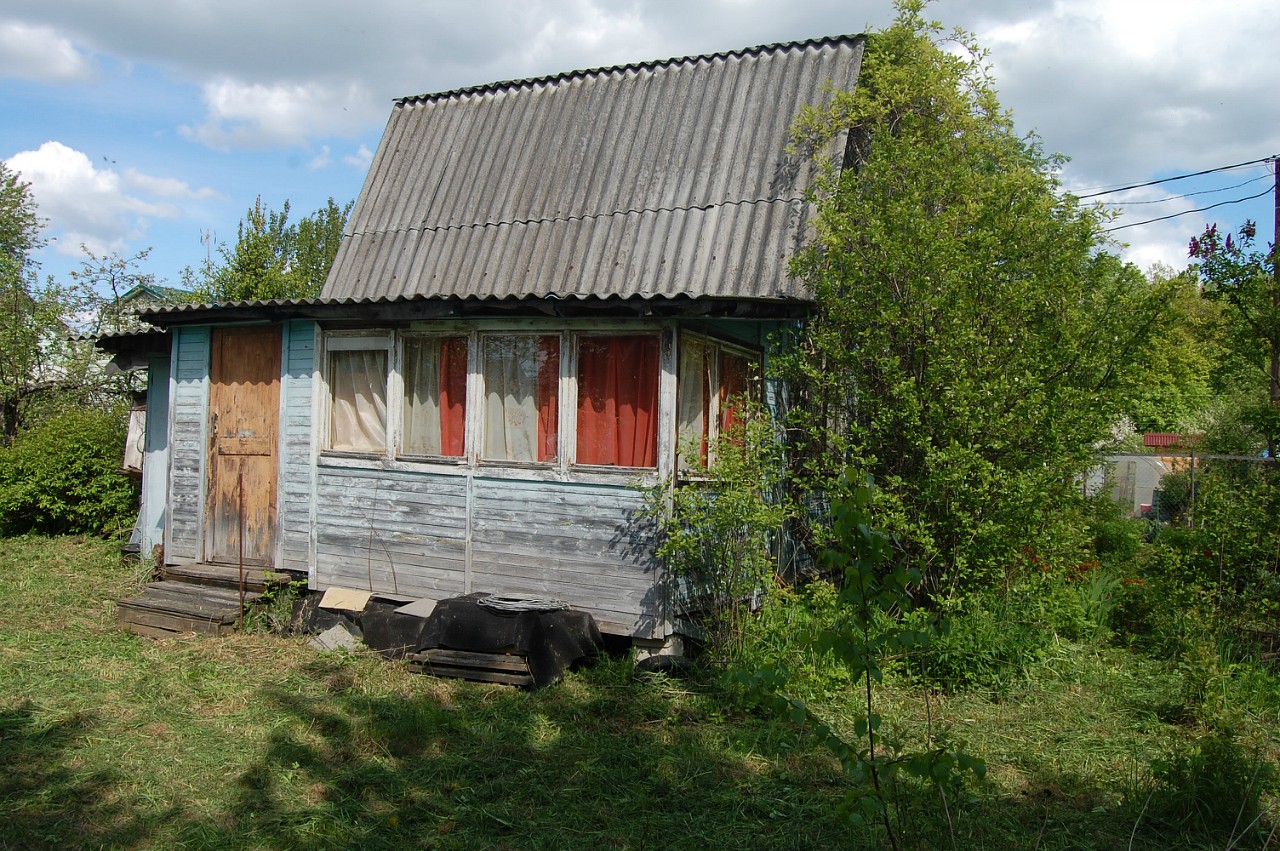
<point x="167" y="608"/>
<point x="506" y="668"/>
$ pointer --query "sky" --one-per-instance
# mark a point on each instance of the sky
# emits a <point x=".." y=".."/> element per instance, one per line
<point x="155" y="124"/>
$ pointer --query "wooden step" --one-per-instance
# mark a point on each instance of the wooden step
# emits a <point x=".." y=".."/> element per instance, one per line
<point x="223" y="576"/>
<point x="167" y="608"/>
<point x="505" y="668"/>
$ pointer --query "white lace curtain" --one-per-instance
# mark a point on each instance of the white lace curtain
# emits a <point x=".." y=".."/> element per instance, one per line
<point x="520" y="377"/>
<point x="358" y="386"/>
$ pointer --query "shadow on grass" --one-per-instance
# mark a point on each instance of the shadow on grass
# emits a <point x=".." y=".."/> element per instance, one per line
<point x="45" y="802"/>
<point x="604" y="762"/>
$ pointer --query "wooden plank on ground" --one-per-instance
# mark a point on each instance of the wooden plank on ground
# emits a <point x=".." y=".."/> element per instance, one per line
<point x="502" y="668"/>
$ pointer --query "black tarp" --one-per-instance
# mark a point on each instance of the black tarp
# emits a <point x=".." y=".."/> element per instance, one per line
<point x="550" y="641"/>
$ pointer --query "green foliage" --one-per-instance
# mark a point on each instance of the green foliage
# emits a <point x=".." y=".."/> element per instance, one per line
<point x="1246" y="280"/>
<point x="970" y="343"/>
<point x="1207" y="787"/>
<point x="273" y="258"/>
<point x="1183" y="360"/>
<point x="273" y="611"/>
<point x="778" y="635"/>
<point x="869" y="629"/>
<point x="63" y="476"/>
<point x="19" y="224"/>
<point x="995" y="638"/>
<point x="718" y="532"/>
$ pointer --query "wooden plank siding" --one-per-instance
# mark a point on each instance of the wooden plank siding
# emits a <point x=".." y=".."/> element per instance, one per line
<point x="586" y="544"/>
<point x="391" y="531"/>
<point x="297" y="451"/>
<point x="189" y="395"/>
<point x="406" y="533"/>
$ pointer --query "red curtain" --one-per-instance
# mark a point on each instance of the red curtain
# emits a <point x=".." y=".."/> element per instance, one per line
<point x="453" y="396"/>
<point x="548" y="397"/>
<point x="618" y="401"/>
<point x="733" y="385"/>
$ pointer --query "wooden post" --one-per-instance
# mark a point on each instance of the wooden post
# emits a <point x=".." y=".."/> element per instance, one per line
<point x="240" y="540"/>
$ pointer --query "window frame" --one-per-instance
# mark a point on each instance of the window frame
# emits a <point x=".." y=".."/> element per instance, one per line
<point x="354" y="341"/>
<point x="755" y="372"/>
<point x="398" y="380"/>
<point x="672" y="337"/>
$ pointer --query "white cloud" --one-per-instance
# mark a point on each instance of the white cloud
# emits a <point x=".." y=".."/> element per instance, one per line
<point x="324" y="159"/>
<point x="260" y="115"/>
<point x="40" y="53"/>
<point x="165" y="187"/>
<point x="360" y="159"/>
<point x="95" y="206"/>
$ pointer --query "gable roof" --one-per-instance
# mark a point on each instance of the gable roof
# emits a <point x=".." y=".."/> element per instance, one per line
<point x="662" y="179"/>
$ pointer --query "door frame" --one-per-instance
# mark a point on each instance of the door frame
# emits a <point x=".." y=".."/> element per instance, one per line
<point x="208" y="512"/>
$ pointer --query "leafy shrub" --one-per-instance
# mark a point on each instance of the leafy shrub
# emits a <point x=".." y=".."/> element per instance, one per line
<point x="718" y="531"/>
<point x="995" y="637"/>
<point x="1210" y="786"/>
<point x="778" y="633"/>
<point x="63" y="476"/>
<point x="988" y="645"/>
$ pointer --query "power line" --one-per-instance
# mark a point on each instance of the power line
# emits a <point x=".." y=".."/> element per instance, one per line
<point x="1169" y="198"/>
<point x="1266" y="191"/>
<point x="1175" y="177"/>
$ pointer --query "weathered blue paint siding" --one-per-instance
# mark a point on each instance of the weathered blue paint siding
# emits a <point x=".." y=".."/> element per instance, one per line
<point x="189" y="397"/>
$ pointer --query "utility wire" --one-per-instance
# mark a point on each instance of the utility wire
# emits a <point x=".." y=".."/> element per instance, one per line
<point x="1266" y="191"/>
<point x="1169" y="198"/>
<point x="1175" y="177"/>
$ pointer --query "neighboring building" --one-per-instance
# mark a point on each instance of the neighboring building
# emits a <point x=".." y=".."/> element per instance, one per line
<point x="546" y="288"/>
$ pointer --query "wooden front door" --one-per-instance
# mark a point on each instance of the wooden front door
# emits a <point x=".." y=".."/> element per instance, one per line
<point x="244" y="415"/>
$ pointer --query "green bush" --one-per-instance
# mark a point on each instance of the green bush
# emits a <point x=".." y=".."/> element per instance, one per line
<point x="781" y="633"/>
<point x="63" y="476"/>
<point x="1209" y="787"/>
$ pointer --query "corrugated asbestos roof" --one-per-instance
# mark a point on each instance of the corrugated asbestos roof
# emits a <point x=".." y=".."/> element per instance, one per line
<point x="657" y="180"/>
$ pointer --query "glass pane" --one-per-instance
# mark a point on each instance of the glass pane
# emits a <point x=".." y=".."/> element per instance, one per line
<point x="734" y="370"/>
<point x="521" y="405"/>
<point x="694" y="391"/>
<point x="618" y="401"/>
<point x="435" y="396"/>
<point x="358" y="413"/>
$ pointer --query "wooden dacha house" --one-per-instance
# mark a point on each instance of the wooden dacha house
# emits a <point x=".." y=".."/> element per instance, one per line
<point x="546" y="290"/>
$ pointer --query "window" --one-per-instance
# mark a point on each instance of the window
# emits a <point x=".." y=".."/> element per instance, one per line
<point x="712" y="381"/>
<point x="521" y="398"/>
<point x="434" y="416"/>
<point x="618" y="401"/>
<point x="474" y="392"/>
<point x="358" y="394"/>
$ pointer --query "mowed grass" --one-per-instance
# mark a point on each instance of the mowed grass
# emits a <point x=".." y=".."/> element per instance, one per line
<point x="257" y="741"/>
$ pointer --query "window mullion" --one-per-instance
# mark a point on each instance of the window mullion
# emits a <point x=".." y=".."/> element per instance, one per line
<point x="395" y="394"/>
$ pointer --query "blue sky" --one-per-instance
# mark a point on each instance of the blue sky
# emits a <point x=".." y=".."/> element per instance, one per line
<point x="149" y="124"/>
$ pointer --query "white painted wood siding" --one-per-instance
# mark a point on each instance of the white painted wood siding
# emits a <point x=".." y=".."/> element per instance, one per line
<point x="297" y="451"/>
<point x="189" y="396"/>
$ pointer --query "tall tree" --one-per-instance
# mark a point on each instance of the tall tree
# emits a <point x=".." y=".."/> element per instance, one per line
<point x="33" y="316"/>
<point x="1247" y="280"/>
<point x="273" y="258"/>
<point x="972" y="340"/>
<point x="1182" y="362"/>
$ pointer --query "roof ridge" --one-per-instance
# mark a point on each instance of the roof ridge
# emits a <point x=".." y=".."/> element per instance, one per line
<point x="546" y="220"/>
<point x="530" y="82"/>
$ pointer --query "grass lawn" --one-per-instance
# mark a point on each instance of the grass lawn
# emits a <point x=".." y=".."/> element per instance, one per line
<point x="256" y="741"/>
